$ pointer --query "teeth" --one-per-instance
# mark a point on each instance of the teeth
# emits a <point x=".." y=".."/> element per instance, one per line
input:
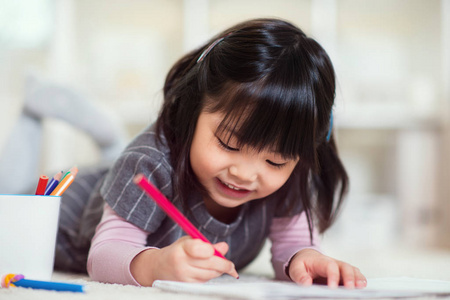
<point x="232" y="187"/>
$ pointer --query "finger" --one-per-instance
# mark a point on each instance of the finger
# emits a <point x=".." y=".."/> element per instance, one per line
<point x="196" y="248"/>
<point x="222" y="247"/>
<point x="328" y="269"/>
<point x="232" y="272"/>
<point x="199" y="250"/>
<point x="361" y="281"/>
<point x="348" y="275"/>
<point x="332" y="274"/>
<point x="217" y="264"/>
<point x="201" y="275"/>
<point x="300" y="275"/>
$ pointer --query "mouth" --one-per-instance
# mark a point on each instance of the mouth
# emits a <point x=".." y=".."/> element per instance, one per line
<point x="231" y="190"/>
<point x="232" y="186"/>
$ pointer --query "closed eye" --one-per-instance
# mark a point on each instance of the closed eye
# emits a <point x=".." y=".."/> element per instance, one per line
<point x="225" y="146"/>
<point x="275" y="164"/>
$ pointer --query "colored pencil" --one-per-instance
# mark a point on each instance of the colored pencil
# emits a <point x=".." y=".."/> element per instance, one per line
<point x="53" y="183"/>
<point x="72" y="170"/>
<point x="49" y="285"/>
<point x="171" y="210"/>
<point x="65" y="182"/>
<point x="42" y="184"/>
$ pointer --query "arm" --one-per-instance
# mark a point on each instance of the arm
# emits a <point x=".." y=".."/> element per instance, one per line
<point x="118" y="255"/>
<point x="114" y="246"/>
<point x="293" y="257"/>
<point x="288" y="236"/>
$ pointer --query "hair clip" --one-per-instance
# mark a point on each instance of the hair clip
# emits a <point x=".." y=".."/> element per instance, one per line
<point x="330" y="129"/>
<point x="207" y="50"/>
<point x="202" y="56"/>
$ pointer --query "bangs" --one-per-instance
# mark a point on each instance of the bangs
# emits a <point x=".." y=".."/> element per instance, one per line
<point x="269" y="114"/>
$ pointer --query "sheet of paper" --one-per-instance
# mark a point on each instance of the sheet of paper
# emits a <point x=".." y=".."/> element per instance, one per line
<point x="260" y="288"/>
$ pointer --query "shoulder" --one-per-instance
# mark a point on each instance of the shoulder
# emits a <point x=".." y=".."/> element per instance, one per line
<point x="146" y="149"/>
<point x="144" y="155"/>
<point x="148" y="143"/>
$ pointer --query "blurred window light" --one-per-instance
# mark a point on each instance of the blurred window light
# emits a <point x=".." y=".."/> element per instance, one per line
<point x="25" y="23"/>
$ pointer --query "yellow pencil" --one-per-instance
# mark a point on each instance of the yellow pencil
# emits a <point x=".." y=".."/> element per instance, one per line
<point x="65" y="183"/>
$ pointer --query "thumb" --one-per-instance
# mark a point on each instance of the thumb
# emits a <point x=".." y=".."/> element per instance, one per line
<point x="222" y="247"/>
<point x="300" y="274"/>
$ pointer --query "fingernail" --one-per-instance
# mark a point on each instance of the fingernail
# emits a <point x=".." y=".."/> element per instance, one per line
<point x="236" y="274"/>
<point x="304" y="280"/>
<point x="361" y="283"/>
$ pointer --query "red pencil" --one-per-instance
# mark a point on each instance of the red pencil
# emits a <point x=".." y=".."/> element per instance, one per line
<point x="42" y="184"/>
<point x="171" y="210"/>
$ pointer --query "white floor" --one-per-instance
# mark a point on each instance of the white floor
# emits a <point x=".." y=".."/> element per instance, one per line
<point x="399" y="262"/>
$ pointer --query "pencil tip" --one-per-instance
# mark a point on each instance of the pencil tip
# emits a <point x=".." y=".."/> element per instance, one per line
<point x="137" y="178"/>
<point x="74" y="170"/>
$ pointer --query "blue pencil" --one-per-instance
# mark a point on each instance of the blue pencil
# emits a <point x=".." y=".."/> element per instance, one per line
<point x="53" y="183"/>
<point x="48" y="285"/>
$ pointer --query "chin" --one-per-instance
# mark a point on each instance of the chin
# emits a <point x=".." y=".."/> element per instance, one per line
<point x="229" y="203"/>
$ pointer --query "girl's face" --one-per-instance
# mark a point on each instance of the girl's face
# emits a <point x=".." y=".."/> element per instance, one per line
<point x="233" y="176"/>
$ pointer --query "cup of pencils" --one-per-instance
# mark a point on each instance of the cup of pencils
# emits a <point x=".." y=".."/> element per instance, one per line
<point x="28" y="227"/>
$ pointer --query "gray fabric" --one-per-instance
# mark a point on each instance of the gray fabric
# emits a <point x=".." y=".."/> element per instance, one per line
<point x="82" y="208"/>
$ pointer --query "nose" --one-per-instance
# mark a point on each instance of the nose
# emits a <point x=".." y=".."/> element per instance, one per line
<point x="244" y="172"/>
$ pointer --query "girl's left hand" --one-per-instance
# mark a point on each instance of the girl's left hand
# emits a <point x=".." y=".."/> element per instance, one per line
<point x="309" y="265"/>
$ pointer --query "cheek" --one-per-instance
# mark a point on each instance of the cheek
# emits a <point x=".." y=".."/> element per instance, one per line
<point x="203" y="159"/>
<point x="274" y="184"/>
<point x="202" y="166"/>
<point x="275" y="180"/>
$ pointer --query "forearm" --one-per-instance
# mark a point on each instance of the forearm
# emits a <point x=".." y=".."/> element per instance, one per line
<point x="288" y="236"/>
<point x="115" y="245"/>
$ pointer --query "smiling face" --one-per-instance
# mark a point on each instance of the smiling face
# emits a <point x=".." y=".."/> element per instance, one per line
<point x="233" y="176"/>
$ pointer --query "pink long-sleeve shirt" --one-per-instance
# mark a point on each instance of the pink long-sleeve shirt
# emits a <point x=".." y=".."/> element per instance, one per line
<point x="117" y="242"/>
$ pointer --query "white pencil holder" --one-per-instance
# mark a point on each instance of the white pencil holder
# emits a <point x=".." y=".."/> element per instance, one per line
<point x="28" y="227"/>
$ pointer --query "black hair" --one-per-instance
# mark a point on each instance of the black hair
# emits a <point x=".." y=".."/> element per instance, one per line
<point x="276" y="88"/>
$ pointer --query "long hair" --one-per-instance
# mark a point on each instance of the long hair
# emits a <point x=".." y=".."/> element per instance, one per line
<point x="276" y="89"/>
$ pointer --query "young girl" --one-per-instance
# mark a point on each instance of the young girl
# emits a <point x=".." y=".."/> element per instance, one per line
<point x="244" y="146"/>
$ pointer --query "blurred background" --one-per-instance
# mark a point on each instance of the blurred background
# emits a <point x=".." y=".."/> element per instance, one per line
<point x="392" y="60"/>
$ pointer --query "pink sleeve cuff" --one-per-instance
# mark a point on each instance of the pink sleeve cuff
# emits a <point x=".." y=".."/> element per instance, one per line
<point x="110" y="263"/>
<point x="114" y="246"/>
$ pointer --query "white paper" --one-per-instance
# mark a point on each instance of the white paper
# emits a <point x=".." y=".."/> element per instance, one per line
<point x="259" y="288"/>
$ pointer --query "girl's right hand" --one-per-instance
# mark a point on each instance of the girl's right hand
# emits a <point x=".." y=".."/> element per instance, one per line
<point x="188" y="260"/>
